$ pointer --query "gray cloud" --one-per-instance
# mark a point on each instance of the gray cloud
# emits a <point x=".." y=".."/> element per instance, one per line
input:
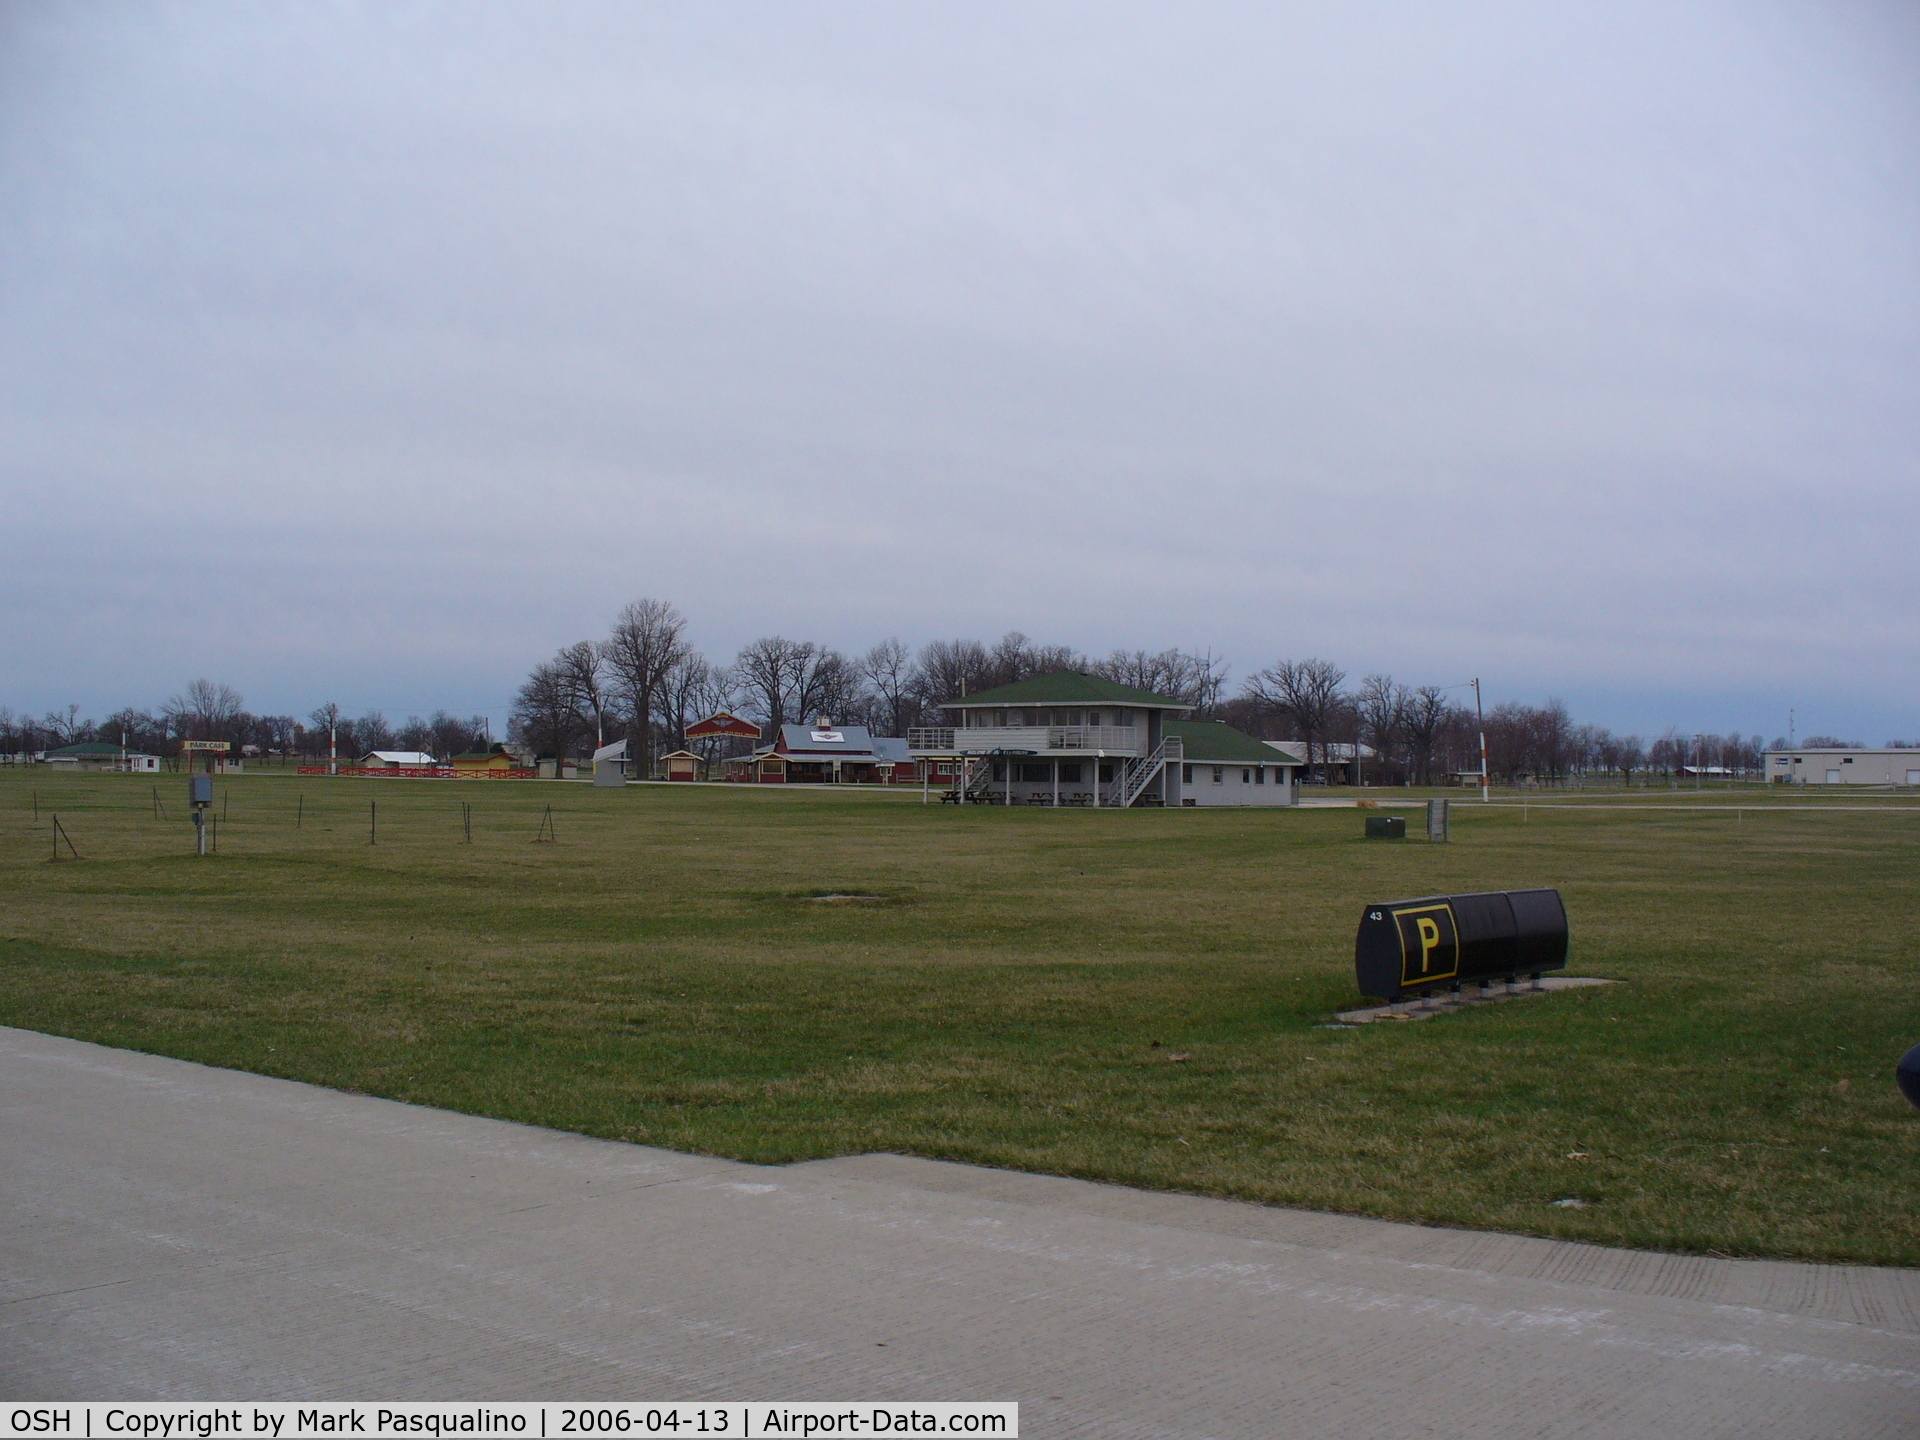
<point x="370" y="353"/>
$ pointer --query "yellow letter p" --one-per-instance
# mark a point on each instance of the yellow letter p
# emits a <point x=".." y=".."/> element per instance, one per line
<point x="1429" y="940"/>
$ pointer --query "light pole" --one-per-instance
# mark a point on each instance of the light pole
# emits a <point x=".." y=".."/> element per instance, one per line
<point x="1486" y="795"/>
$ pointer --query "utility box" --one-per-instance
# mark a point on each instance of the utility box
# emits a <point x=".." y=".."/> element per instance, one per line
<point x="1386" y="827"/>
<point x="610" y="765"/>
<point x="1412" y="946"/>
<point x="200" y="790"/>
<point x="1437" y="820"/>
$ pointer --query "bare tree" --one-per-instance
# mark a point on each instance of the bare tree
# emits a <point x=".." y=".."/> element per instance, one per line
<point x="1196" y="679"/>
<point x="69" y="727"/>
<point x="1424" y="718"/>
<point x="647" y="641"/>
<point x="135" y="729"/>
<point x="829" y="687"/>
<point x="281" y="732"/>
<point x="204" y="710"/>
<point x="371" y="732"/>
<point x="1016" y="657"/>
<point x="1308" y="691"/>
<point x="682" y="694"/>
<point x="453" y="736"/>
<point x="1633" y="754"/>
<point x="888" y="669"/>
<point x="587" y="672"/>
<point x="547" y="710"/>
<point x="770" y="671"/>
<point x="416" y="735"/>
<point x="949" y="669"/>
<point x="1382" y="707"/>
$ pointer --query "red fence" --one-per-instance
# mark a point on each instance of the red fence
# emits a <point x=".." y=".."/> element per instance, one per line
<point x="419" y="772"/>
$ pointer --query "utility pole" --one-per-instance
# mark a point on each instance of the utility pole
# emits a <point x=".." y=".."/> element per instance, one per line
<point x="1486" y="794"/>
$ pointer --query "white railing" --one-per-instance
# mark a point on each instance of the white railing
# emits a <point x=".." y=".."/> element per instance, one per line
<point x="1128" y="738"/>
<point x="1114" y="739"/>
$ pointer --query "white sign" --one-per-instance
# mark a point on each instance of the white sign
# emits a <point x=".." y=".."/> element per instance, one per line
<point x="827" y="737"/>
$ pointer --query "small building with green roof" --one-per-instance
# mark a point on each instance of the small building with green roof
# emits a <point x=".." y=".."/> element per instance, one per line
<point x="1070" y="738"/>
<point x="101" y="755"/>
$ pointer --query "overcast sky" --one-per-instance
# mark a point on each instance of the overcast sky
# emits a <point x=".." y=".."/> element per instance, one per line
<point x="370" y="353"/>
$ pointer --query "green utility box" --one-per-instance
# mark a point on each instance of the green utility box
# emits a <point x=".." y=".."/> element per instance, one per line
<point x="1386" y="827"/>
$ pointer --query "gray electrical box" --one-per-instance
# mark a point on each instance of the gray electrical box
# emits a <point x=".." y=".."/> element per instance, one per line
<point x="200" y="790"/>
<point x="1436" y="819"/>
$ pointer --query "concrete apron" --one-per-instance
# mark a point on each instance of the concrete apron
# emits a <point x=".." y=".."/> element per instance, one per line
<point x="179" y="1232"/>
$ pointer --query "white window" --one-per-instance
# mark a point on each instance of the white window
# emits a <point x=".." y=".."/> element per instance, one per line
<point x="1219" y="774"/>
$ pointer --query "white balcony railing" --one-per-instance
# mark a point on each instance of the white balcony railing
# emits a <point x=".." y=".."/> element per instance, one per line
<point x="1113" y="739"/>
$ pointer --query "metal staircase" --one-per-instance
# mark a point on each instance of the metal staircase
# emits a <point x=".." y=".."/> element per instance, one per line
<point x="1134" y="778"/>
<point x="976" y="774"/>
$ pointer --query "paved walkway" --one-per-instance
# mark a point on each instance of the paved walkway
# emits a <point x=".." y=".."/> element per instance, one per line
<point x="175" y="1232"/>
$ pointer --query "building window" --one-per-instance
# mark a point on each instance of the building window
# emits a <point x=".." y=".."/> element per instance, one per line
<point x="1070" y="773"/>
<point x="999" y="770"/>
<point x="1093" y="717"/>
<point x="1035" y="774"/>
<point x="1186" y="774"/>
<point x="1246" y="777"/>
<point x="1106" y="771"/>
<point x="1259" y="774"/>
<point x="1219" y="774"/>
<point x="1120" y="717"/>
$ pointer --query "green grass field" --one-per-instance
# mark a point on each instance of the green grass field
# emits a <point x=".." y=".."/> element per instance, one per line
<point x="1021" y="990"/>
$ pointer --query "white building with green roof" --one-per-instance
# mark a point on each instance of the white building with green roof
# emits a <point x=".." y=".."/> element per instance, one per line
<point x="100" y="755"/>
<point x="1074" y="739"/>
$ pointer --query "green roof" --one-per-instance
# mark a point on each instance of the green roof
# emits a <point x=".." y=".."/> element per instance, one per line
<point x="1066" y="687"/>
<point x="88" y="747"/>
<point x="1209" y="742"/>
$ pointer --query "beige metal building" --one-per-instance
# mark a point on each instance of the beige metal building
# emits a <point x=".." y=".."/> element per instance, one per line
<point x="1843" y="767"/>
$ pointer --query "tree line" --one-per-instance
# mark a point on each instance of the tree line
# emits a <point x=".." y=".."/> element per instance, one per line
<point x="212" y="710"/>
<point x="645" y="682"/>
